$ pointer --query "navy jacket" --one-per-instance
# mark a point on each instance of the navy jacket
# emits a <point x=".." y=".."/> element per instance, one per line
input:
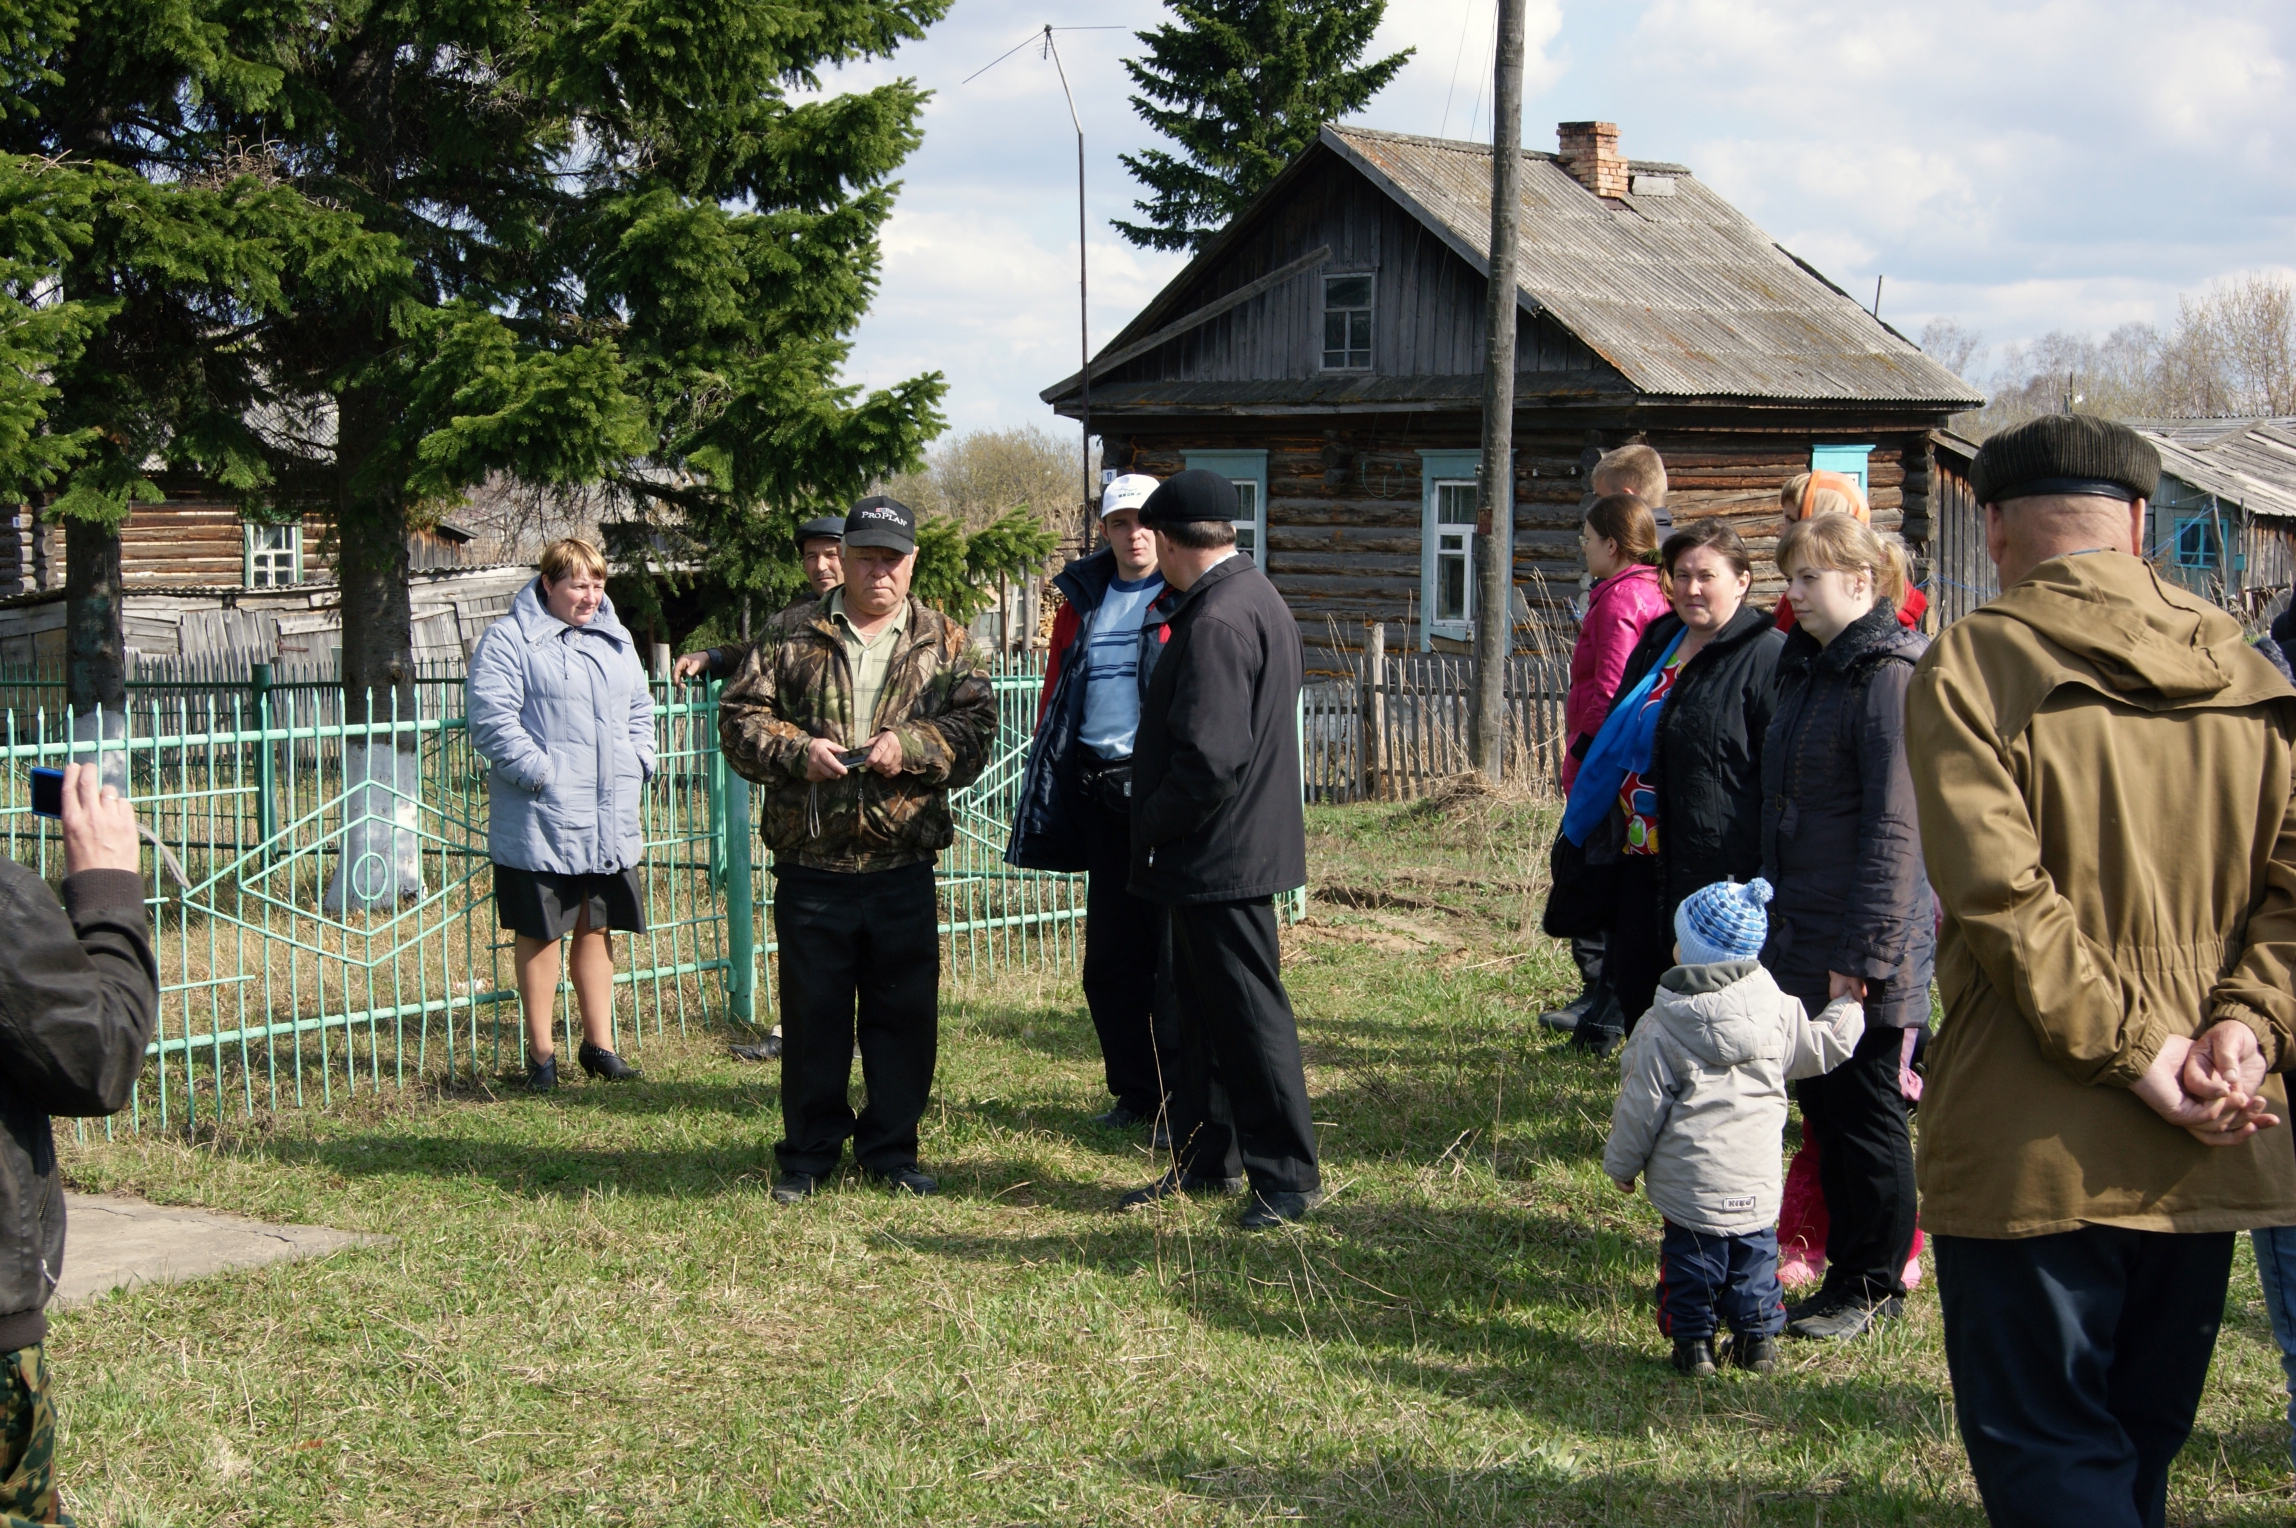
<point x="1216" y="813"/>
<point x="1047" y="829"/>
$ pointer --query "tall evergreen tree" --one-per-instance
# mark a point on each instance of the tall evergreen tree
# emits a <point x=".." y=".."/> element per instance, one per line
<point x="1241" y="86"/>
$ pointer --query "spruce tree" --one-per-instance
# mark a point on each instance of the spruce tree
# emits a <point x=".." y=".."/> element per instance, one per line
<point x="1240" y="87"/>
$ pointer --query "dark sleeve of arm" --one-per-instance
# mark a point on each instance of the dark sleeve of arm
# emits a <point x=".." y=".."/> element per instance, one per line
<point x="1879" y="923"/>
<point x="79" y="991"/>
<point x="1210" y="725"/>
<point x="1984" y="858"/>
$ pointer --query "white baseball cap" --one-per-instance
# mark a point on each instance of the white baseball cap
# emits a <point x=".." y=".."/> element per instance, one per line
<point x="1127" y="492"/>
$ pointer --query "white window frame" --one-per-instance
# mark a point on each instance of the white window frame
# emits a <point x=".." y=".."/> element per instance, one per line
<point x="1248" y="470"/>
<point x="251" y="550"/>
<point x="1437" y="470"/>
<point x="1371" y="321"/>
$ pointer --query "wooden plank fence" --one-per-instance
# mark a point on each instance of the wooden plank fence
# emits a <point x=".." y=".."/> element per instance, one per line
<point x="1397" y="723"/>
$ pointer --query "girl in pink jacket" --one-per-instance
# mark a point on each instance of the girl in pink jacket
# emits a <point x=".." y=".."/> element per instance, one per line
<point x="1620" y="539"/>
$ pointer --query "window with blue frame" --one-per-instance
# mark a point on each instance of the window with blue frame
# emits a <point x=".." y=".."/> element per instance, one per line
<point x="2199" y="542"/>
<point x="1849" y="461"/>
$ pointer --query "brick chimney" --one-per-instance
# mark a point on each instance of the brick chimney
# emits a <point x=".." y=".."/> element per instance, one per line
<point x="1590" y="152"/>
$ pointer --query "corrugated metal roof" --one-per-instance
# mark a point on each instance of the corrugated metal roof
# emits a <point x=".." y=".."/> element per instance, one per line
<point x="1682" y="293"/>
<point x="2253" y="467"/>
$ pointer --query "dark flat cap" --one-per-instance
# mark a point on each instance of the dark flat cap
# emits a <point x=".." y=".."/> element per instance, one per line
<point x="827" y="527"/>
<point x="2075" y="454"/>
<point x="1191" y="495"/>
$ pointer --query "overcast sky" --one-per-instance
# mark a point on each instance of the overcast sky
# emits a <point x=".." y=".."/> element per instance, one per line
<point x="2020" y="167"/>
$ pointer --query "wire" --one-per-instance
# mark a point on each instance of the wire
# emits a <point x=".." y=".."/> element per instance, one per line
<point x="1035" y="36"/>
<point x="1466" y="20"/>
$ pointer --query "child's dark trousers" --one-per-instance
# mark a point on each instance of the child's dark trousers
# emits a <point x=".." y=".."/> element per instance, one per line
<point x="1706" y="1282"/>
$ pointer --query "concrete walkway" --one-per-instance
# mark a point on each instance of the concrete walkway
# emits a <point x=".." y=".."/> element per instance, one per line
<point x="115" y="1242"/>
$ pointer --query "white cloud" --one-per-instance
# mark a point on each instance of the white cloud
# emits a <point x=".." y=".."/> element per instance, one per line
<point x="2020" y="164"/>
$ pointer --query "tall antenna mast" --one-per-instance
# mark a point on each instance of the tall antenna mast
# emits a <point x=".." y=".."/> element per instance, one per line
<point x="1083" y="307"/>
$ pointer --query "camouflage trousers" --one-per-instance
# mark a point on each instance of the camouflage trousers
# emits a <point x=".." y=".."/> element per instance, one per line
<point x="27" y="1441"/>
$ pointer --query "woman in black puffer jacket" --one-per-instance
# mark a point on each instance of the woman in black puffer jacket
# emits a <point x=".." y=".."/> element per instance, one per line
<point x="1694" y="816"/>
<point x="1852" y="915"/>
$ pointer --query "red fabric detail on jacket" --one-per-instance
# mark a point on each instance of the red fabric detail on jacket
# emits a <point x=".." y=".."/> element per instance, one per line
<point x="1065" y="622"/>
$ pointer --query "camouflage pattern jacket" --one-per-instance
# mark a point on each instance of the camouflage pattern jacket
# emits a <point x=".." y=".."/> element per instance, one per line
<point x="795" y="684"/>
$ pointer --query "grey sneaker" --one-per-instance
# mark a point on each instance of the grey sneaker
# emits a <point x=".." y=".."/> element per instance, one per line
<point x="1850" y="1316"/>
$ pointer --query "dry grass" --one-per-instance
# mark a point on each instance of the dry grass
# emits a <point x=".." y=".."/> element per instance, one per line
<point x="594" y="1312"/>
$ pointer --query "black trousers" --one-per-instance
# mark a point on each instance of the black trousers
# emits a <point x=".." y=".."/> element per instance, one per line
<point x="1139" y="1040"/>
<point x="2078" y="1361"/>
<point x="872" y="939"/>
<point x="1640" y="944"/>
<point x="1243" y="1109"/>
<point x="1857" y="1115"/>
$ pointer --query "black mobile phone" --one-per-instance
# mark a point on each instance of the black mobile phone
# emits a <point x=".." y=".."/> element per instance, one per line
<point x="47" y="793"/>
<point x="851" y="758"/>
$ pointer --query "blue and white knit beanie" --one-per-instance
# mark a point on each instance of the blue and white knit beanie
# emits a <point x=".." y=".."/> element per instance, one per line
<point x="1724" y="921"/>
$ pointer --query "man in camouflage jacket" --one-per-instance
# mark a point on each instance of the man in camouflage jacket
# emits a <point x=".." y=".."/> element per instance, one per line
<point x="858" y="714"/>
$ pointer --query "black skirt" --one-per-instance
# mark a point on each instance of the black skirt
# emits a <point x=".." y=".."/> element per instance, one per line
<point x="542" y="904"/>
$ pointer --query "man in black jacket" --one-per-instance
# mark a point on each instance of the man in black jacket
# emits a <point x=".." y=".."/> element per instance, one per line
<point x="1216" y="832"/>
<point x="79" y="998"/>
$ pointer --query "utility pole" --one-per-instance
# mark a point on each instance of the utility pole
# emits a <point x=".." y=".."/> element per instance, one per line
<point x="1494" y="512"/>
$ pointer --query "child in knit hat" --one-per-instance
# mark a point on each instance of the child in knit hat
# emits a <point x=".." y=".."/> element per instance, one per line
<point x="1700" y="1116"/>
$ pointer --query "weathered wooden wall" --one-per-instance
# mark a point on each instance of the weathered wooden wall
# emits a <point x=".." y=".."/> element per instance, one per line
<point x="193" y="542"/>
<point x="1345" y="497"/>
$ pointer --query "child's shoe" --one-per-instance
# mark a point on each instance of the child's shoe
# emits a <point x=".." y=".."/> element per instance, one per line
<point x="1694" y="1356"/>
<point x="1760" y="1354"/>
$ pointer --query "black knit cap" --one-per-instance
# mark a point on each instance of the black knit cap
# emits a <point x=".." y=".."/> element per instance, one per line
<point x="1191" y="495"/>
<point x="2077" y="454"/>
<point x="827" y="527"/>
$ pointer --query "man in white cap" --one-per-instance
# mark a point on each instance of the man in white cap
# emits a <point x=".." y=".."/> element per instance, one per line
<point x="1076" y="801"/>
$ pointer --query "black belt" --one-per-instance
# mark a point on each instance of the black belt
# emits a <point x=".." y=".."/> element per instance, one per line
<point x="1109" y="780"/>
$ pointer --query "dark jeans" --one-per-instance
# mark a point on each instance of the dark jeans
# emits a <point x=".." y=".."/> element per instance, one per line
<point x="1707" y="1281"/>
<point x="873" y="938"/>
<point x="1244" y="1106"/>
<point x="2078" y="1361"/>
<point x="1139" y="1042"/>
<point x="1640" y="944"/>
<point x="1857" y="1115"/>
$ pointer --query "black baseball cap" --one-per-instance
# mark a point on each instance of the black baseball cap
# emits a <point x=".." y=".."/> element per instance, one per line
<point x="882" y="521"/>
<point x="1192" y="495"/>
<point x="831" y="527"/>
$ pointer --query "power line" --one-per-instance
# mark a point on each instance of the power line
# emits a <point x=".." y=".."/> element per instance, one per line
<point x="1466" y="21"/>
<point x="1035" y="36"/>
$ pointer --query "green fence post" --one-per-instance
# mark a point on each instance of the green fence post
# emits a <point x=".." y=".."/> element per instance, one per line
<point x="266" y="761"/>
<point x="740" y="906"/>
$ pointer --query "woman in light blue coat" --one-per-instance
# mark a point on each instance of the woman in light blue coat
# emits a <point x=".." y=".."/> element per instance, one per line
<point x="560" y="708"/>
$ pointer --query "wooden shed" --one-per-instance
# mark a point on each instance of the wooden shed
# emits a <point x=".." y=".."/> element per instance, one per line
<point x="1325" y="352"/>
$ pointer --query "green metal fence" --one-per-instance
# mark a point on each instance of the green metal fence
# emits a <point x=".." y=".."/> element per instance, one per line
<point x="334" y="930"/>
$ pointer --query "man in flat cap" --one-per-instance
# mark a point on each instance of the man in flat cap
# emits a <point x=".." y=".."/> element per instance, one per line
<point x="2102" y="766"/>
<point x="858" y="714"/>
<point x="1216" y="833"/>
<point x="821" y="553"/>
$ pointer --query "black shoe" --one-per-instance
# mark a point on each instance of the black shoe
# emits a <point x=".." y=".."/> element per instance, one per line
<point x="1122" y="1117"/>
<point x="1599" y="1039"/>
<point x="904" y="1180"/>
<point x="767" y="1049"/>
<point x="1844" y="1317"/>
<point x="1567" y="1017"/>
<point x="1760" y="1354"/>
<point x="604" y="1063"/>
<point x="1173" y="1183"/>
<point x="1280" y="1208"/>
<point x="1694" y="1356"/>
<point x="542" y="1076"/>
<point x="791" y="1188"/>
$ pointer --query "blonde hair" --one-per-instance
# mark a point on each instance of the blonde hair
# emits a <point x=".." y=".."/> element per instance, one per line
<point x="1807" y="495"/>
<point x="1846" y="544"/>
<point x="1632" y="469"/>
<point x="564" y="558"/>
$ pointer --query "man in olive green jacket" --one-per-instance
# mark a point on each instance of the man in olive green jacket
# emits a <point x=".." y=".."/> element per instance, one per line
<point x="2103" y="770"/>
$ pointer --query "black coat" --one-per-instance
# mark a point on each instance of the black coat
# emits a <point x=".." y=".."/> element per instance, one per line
<point x="1048" y="824"/>
<point x="1706" y="761"/>
<point x="1841" y="843"/>
<point x="79" y="999"/>
<point x="1215" y="769"/>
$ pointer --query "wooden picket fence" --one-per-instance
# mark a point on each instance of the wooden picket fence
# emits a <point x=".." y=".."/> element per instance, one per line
<point x="1397" y="723"/>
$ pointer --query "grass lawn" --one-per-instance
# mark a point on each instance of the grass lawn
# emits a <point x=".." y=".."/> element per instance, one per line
<point x="595" y="1313"/>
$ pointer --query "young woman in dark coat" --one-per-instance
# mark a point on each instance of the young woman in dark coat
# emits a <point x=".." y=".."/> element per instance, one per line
<point x="1695" y="815"/>
<point x="1852" y="915"/>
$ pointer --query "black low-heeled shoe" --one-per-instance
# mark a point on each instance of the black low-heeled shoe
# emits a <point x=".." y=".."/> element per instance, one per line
<point x="542" y="1076"/>
<point x="602" y="1063"/>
